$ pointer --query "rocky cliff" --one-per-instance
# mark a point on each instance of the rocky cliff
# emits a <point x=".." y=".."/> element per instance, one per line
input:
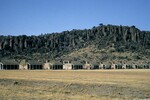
<point x="56" y="45"/>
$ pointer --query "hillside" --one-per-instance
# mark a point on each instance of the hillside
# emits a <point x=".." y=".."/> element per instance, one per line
<point x="101" y="43"/>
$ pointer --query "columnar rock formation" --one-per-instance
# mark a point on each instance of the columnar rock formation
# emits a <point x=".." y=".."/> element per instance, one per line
<point x="59" y="43"/>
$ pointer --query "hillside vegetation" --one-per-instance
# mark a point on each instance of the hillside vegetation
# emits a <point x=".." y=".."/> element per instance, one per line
<point x="101" y="43"/>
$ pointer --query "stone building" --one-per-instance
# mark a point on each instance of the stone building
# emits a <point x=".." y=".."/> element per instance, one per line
<point x="101" y="65"/>
<point x="55" y="65"/>
<point x="87" y="65"/>
<point x="107" y="65"/>
<point x="34" y="65"/>
<point x="9" y="65"/>
<point x="146" y="66"/>
<point x="46" y="65"/>
<point x="141" y="65"/>
<point x="118" y="65"/>
<point x="134" y="66"/>
<point x="76" y="65"/>
<point x="113" y="65"/>
<point x="129" y="66"/>
<point x="23" y="65"/>
<point x="124" y="66"/>
<point x="67" y="65"/>
<point x="94" y="65"/>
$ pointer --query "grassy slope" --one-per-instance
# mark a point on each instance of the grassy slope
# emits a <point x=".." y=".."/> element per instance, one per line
<point x="107" y="54"/>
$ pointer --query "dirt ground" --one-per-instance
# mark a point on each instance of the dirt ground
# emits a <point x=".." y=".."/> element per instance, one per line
<point x="75" y="85"/>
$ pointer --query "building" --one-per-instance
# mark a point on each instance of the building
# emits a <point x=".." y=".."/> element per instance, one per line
<point x="128" y="66"/>
<point x="118" y="66"/>
<point x="101" y="66"/>
<point x="76" y="65"/>
<point x="113" y="65"/>
<point x="67" y="65"/>
<point x="23" y="65"/>
<point x="34" y="65"/>
<point x="141" y="66"/>
<point x="134" y="66"/>
<point x="46" y="65"/>
<point x="9" y="65"/>
<point x="94" y="65"/>
<point x="87" y="65"/>
<point x="146" y="66"/>
<point x="55" y="65"/>
<point x="107" y="65"/>
<point x="124" y="66"/>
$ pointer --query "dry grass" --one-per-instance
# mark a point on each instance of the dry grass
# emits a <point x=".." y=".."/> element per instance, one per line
<point x="76" y="84"/>
<point x="109" y="53"/>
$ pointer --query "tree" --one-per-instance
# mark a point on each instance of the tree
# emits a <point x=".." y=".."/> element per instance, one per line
<point x="101" y="24"/>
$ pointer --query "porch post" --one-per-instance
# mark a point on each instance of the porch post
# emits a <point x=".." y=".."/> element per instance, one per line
<point x="2" y="66"/>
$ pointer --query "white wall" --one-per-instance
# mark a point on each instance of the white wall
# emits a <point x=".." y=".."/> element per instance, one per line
<point x="67" y="66"/>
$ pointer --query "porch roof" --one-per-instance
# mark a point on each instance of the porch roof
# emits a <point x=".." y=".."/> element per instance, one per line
<point x="9" y="62"/>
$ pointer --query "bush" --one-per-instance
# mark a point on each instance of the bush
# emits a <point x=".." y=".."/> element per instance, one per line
<point x="120" y="49"/>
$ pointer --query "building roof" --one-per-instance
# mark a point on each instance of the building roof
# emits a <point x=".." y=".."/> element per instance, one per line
<point x="76" y="63"/>
<point x="9" y="62"/>
<point x="67" y="60"/>
<point x="33" y="62"/>
<point x="94" y="63"/>
<point x="56" y="63"/>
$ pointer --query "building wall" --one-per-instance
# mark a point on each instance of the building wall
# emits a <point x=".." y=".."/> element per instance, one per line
<point x="46" y="66"/>
<point x="124" y="66"/>
<point x="134" y="66"/>
<point x="23" y="67"/>
<point x="101" y="66"/>
<point x="113" y="66"/>
<point x="87" y="66"/>
<point x="26" y="67"/>
<point x="67" y="66"/>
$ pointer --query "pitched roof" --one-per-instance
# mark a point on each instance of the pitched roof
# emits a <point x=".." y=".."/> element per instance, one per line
<point x="9" y="62"/>
<point x="76" y="63"/>
<point x="33" y="62"/>
<point x="56" y="63"/>
<point x="94" y="63"/>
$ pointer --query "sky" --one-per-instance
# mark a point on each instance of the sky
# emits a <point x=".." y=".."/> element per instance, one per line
<point x="34" y="17"/>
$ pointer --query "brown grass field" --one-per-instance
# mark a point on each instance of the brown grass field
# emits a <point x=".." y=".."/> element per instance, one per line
<point x="75" y="84"/>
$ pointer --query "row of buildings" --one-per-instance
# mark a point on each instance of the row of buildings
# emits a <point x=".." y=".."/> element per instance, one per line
<point x="67" y="65"/>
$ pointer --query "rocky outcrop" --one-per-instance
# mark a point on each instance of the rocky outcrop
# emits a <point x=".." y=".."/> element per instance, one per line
<point x="67" y="41"/>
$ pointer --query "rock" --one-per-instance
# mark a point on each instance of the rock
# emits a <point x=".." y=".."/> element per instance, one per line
<point x="15" y="83"/>
<point x="67" y="41"/>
